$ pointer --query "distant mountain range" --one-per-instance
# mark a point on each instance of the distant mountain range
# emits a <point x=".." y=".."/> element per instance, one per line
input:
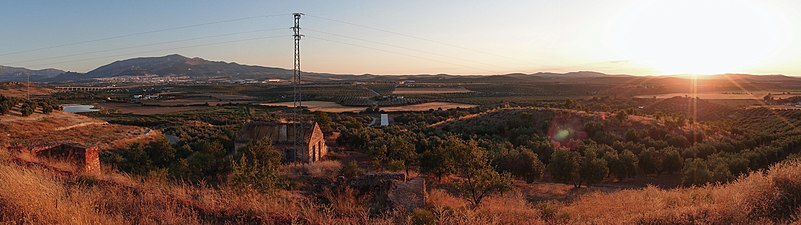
<point x="198" y="68"/>
<point x="21" y="74"/>
<point x="178" y="65"/>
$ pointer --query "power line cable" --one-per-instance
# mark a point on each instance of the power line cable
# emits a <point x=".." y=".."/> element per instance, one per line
<point x="402" y="47"/>
<point x="398" y="53"/>
<point x="140" y="33"/>
<point x="413" y="37"/>
<point x="157" y="50"/>
<point x="145" y="45"/>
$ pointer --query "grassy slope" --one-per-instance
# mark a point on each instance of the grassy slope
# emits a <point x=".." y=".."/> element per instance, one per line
<point x="39" y="194"/>
<point x="61" y="126"/>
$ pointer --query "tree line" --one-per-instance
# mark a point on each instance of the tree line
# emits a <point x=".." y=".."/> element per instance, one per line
<point x="27" y="107"/>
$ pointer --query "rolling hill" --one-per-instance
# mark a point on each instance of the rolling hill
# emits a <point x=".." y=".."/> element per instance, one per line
<point x="8" y="73"/>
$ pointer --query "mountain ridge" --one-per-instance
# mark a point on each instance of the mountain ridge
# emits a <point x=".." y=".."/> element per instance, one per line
<point x="199" y="68"/>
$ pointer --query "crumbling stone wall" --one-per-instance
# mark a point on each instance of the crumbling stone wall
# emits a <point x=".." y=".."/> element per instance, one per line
<point x="86" y="158"/>
<point x="394" y="189"/>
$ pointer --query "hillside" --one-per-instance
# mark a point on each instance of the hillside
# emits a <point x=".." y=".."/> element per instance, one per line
<point x="21" y="74"/>
<point x="42" y="195"/>
<point x="20" y="89"/>
<point x="61" y="126"/>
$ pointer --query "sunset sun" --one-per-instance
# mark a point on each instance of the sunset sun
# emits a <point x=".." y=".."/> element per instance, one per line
<point x="700" y="37"/>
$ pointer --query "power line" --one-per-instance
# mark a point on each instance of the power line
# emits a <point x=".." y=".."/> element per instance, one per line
<point x="412" y="36"/>
<point x="157" y="50"/>
<point x="140" y="33"/>
<point x="398" y="53"/>
<point x="145" y="45"/>
<point x="403" y="47"/>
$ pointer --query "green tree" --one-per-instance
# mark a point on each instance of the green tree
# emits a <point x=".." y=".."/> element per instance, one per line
<point x="673" y="161"/>
<point x="27" y="109"/>
<point x="161" y="153"/>
<point x="650" y="161"/>
<point x="621" y="115"/>
<point x="479" y="179"/>
<point x="324" y="121"/>
<point x="593" y="169"/>
<point x="401" y="149"/>
<point x="623" y="165"/>
<point x="530" y="167"/>
<point x="565" y="166"/>
<point x="46" y="108"/>
<point x="438" y="161"/>
<point x="696" y="172"/>
<point x="256" y="167"/>
<point x="569" y="103"/>
<point x="629" y="161"/>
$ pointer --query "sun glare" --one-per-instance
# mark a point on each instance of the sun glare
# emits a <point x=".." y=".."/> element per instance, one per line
<point x="700" y="37"/>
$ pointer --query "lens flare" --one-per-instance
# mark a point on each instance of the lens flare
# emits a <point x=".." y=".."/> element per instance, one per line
<point x="566" y="131"/>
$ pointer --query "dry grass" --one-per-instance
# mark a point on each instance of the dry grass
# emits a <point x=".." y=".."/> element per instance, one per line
<point x="510" y="208"/>
<point x="61" y="126"/>
<point x="40" y="195"/>
<point x="753" y="199"/>
<point x="323" y="169"/>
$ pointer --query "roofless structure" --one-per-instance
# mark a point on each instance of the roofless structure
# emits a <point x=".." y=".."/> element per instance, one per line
<point x="307" y="145"/>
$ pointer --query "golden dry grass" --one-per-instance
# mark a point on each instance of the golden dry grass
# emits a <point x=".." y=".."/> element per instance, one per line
<point x="753" y="199"/>
<point x="325" y="169"/>
<point x="61" y="126"/>
<point x="41" y="195"/>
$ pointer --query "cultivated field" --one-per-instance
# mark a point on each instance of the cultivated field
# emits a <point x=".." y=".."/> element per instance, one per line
<point x="333" y="107"/>
<point x="427" y="106"/>
<point x="429" y="90"/>
<point x="322" y="106"/>
<point x="145" y="110"/>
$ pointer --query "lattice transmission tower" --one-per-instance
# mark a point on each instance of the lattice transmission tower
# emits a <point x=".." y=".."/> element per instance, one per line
<point x="297" y="114"/>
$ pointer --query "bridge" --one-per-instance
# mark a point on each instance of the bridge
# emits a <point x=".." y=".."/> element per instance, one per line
<point x="85" y="88"/>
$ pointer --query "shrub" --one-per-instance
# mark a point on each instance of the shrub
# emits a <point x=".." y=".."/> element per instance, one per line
<point x="351" y="170"/>
<point x="396" y="165"/>
<point x="423" y="217"/>
<point x="256" y="167"/>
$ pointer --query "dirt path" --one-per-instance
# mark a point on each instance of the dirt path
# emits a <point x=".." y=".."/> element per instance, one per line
<point x="80" y="125"/>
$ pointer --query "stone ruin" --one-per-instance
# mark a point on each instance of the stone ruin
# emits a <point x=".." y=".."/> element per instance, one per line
<point x="311" y="149"/>
<point x="86" y="158"/>
<point x="398" y="192"/>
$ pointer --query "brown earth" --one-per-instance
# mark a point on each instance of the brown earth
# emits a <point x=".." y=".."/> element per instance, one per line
<point x="18" y="89"/>
<point x="69" y="127"/>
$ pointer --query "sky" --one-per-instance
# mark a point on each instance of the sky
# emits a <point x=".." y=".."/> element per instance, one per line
<point x="415" y="36"/>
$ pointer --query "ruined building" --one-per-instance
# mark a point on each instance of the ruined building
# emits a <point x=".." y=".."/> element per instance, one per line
<point x="311" y="149"/>
<point x="84" y="157"/>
